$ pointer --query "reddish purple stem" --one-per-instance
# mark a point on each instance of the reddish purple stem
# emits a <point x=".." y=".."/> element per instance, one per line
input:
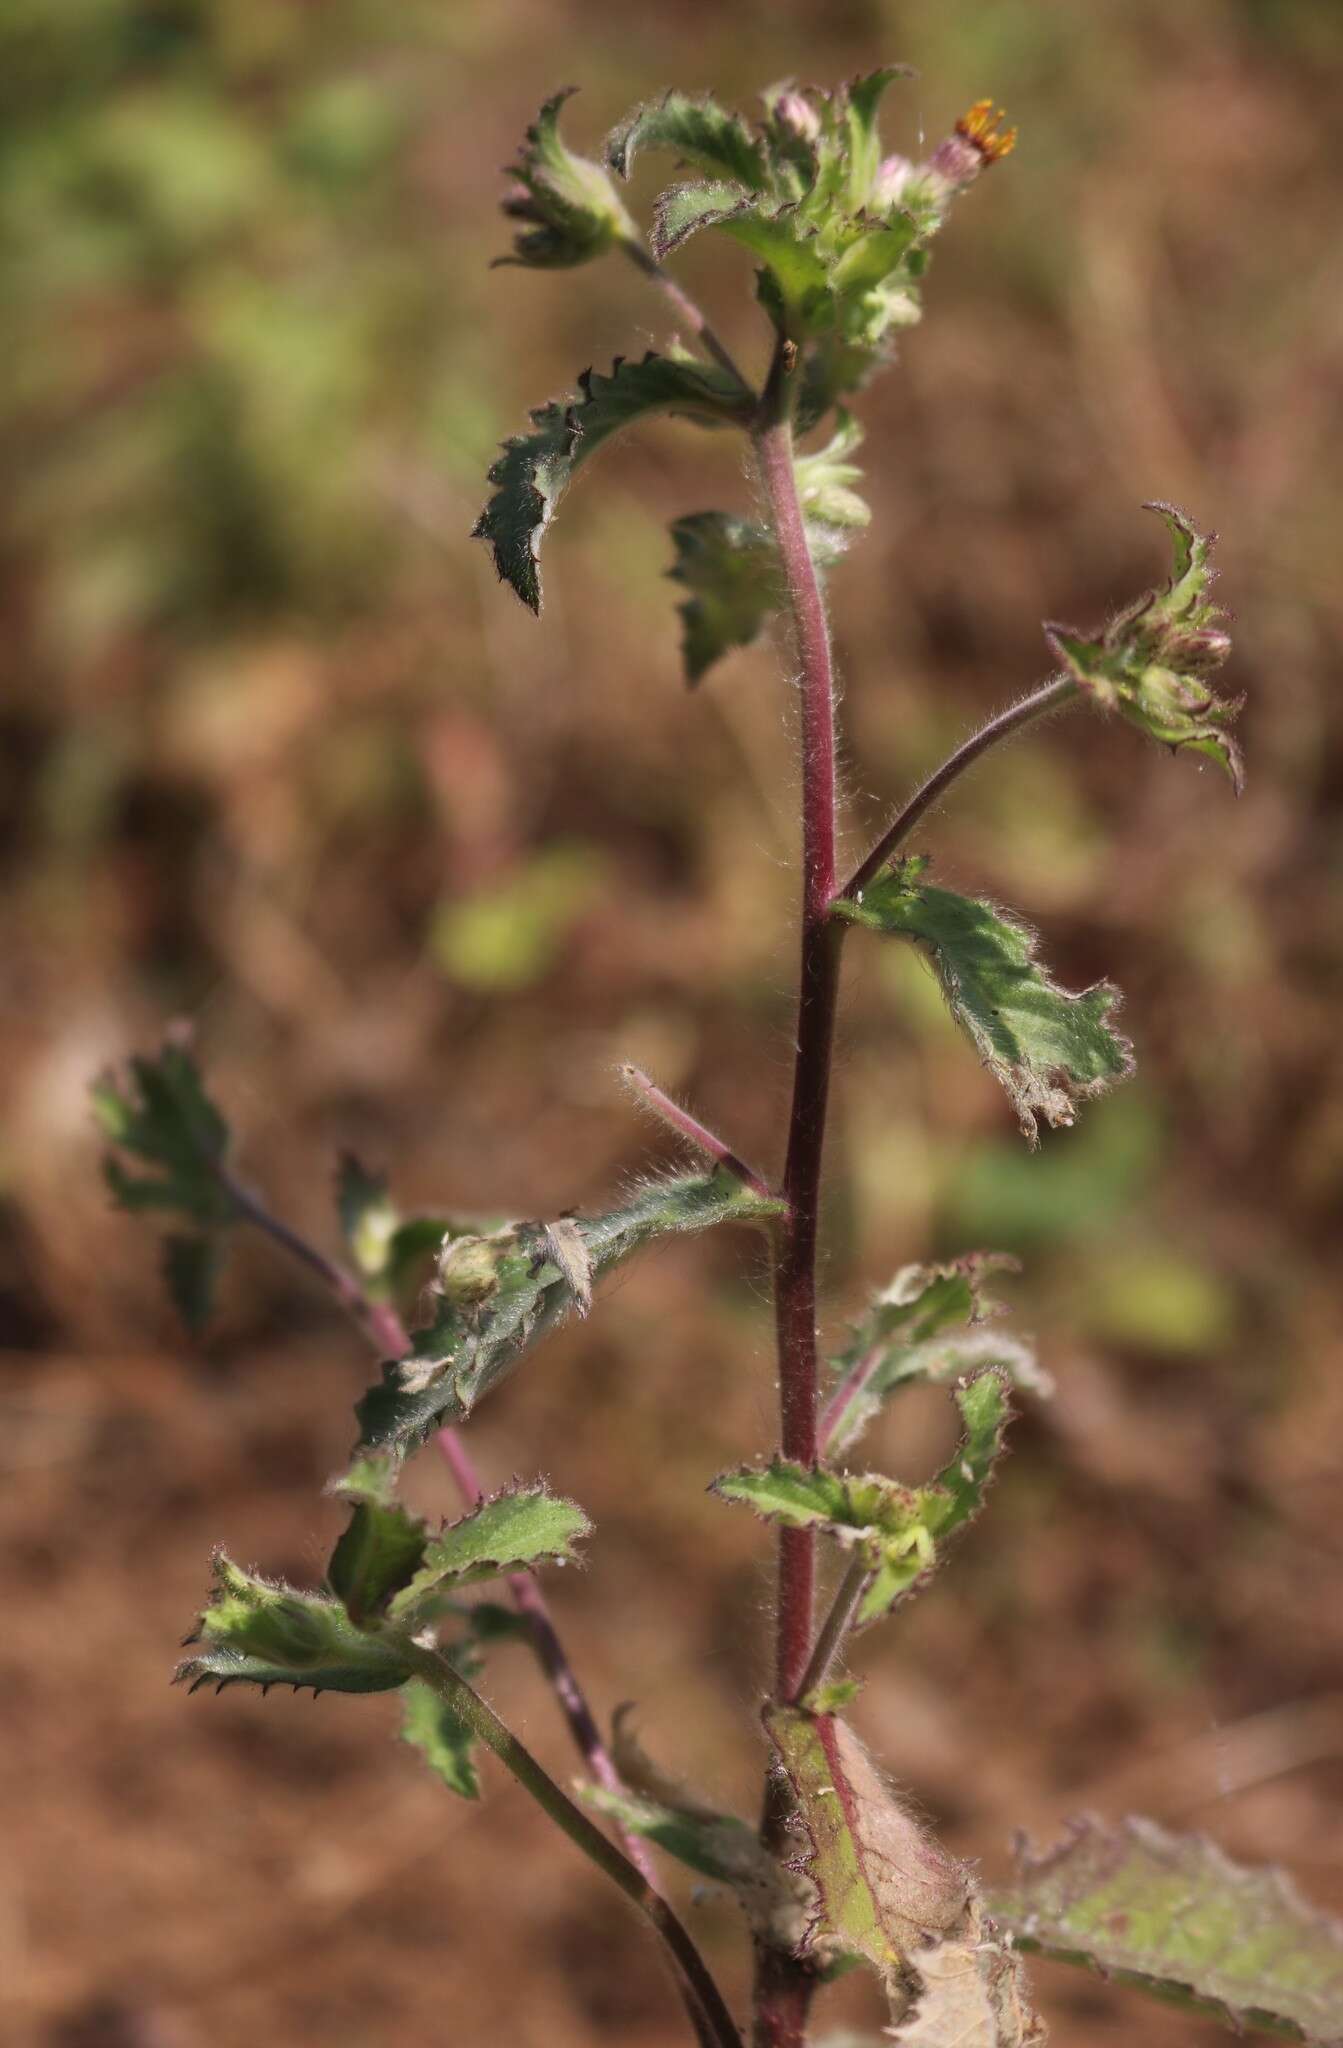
<point x="693" y="1131"/>
<point x="795" y="1271"/>
<point x="784" y="1985"/>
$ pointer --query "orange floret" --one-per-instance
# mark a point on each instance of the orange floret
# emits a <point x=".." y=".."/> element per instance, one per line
<point x="980" y="128"/>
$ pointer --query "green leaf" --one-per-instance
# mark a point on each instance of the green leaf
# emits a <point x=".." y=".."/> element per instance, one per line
<point x="731" y="567"/>
<point x="190" y="1271"/>
<point x="682" y="210"/>
<point x="699" y="131"/>
<point x="534" y="470"/>
<point x="932" y="1323"/>
<point x="164" y="1125"/>
<point x="899" y="1530"/>
<point x="1152" y="662"/>
<point x="517" y="1529"/>
<point x="158" y="1113"/>
<point x="825" y="480"/>
<point x="382" y="1548"/>
<point x="570" y="208"/>
<point x="444" y="1741"/>
<point x="528" y="1282"/>
<point x="265" y="1634"/>
<point x="862" y="96"/>
<point x="776" y="1901"/>
<point x="888" y="1523"/>
<point x="811" y="1497"/>
<point x="954" y="1498"/>
<point x="1171" y="1915"/>
<point x="1049" y="1048"/>
<point x="891" y="1896"/>
<point x="798" y="270"/>
<point x="884" y="1886"/>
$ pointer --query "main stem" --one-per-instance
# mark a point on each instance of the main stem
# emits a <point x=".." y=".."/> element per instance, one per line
<point x="795" y="1271"/>
<point x="784" y="1987"/>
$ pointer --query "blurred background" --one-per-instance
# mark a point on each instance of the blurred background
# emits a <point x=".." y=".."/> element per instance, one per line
<point x="279" y="757"/>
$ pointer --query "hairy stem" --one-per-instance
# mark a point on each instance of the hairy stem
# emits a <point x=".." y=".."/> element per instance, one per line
<point x="1050" y="696"/>
<point x="835" y="1628"/>
<point x="852" y="1383"/>
<point x="693" y="1131"/>
<point x="795" y="1269"/>
<point x="784" y="1986"/>
<point x="713" y="2022"/>
<point x="380" y="1322"/>
<point x="686" y="310"/>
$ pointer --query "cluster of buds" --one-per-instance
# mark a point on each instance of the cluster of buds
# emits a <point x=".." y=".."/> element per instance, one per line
<point x="1152" y="661"/>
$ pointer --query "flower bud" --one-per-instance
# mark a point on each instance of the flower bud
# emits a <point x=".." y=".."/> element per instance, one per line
<point x="888" y="187"/>
<point x="468" y="1271"/>
<point x="797" y="116"/>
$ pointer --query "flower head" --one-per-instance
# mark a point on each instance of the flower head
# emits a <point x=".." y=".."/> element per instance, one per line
<point x="976" y="142"/>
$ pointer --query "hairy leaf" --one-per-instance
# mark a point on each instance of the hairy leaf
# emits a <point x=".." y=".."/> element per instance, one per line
<point x="569" y="206"/>
<point x="954" y="1498"/>
<point x="698" y="131"/>
<point x="519" y="1528"/>
<point x="521" y="1292"/>
<point x="534" y="470"/>
<point x="731" y="568"/>
<point x="932" y="1323"/>
<point x="682" y="210"/>
<point x="889" y="1895"/>
<point x="1049" y="1048"/>
<point x="1172" y="1915"/>
<point x="825" y="480"/>
<point x="164" y="1126"/>
<point x="158" y="1115"/>
<point x="445" y="1742"/>
<point x="971" y="1993"/>
<point x="853" y="1508"/>
<point x="883" y="1884"/>
<point x="897" y="1529"/>
<point x="264" y="1633"/>
<point x="890" y="1525"/>
<point x="1153" y="660"/>
<point x="862" y="97"/>
<point x="384" y="1545"/>
<point x="778" y="1903"/>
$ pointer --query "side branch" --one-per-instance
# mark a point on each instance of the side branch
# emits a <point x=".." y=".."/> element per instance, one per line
<point x="714" y="2024"/>
<point x="381" y="1323"/>
<point x="686" y="310"/>
<point x="1050" y="696"/>
<point x="692" y="1130"/>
